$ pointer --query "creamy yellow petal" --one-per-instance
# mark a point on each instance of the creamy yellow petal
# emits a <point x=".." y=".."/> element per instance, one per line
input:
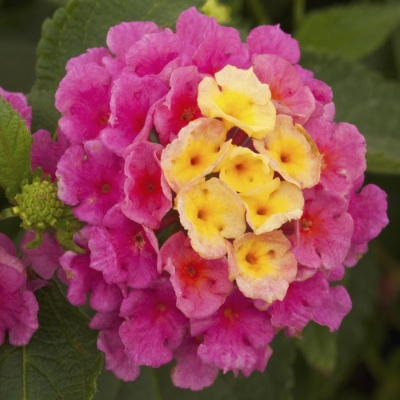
<point x="239" y="99"/>
<point x="271" y="206"/>
<point x="292" y="152"/>
<point x="198" y="149"/>
<point x="210" y="211"/>
<point x="262" y="265"/>
<point x="244" y="170"/>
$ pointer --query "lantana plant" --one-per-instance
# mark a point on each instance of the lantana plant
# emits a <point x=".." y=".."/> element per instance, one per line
<point x="199" y="190"/>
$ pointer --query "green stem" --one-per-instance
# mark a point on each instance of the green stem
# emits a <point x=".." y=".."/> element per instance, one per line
<point x="299" y="8"/>
<point x="258" y="12"/>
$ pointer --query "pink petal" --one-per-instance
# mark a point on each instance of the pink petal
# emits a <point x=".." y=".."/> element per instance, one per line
<point x="94" y="55"/>
<point x="368" y="209"/>
<point x="18" y="307"/>
<point x="124" y="251"/>
<point x="44" y="260"/>
<point x="83" y="279"/>
<point x="325" y="230"/>
<point x="272" y="40"/>
<point x="343" y="151"/>
<point x="200" y="285"/>
<point x="132" y="106"/>
<point x="190" y="372"/>
<point x="124" y="35"/>
<point x="147" y="195"/>
<point x="90" y="178"/>
<point x="19" y="102"/>
<point x="289" y="95"/>
<point x="221" y="46"/>
<point x="46" y="153"/>
<point x="180" y="106"/>
<point x="111" y="345"/>
<point x="154" y="327"/>
<point x="234" y="335"/>
<point x="191" y="26"/>
<point x="83" y="97"/>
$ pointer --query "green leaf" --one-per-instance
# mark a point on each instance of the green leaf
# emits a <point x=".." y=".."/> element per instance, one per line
<point x="155" y="384"/>
<point x="61" y="360"/>
<point x="351" y="32"/>
<point x="363" y="98"/>
<point x="319" y="347"/>
<point x="79" y="26"/>
<point x="15" y="148"/>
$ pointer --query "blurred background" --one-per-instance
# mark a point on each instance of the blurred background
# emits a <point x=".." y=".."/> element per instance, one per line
<point x="354" y="46"/>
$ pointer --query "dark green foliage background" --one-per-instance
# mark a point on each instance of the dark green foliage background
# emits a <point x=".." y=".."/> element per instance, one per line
<point x="352" y="45"/>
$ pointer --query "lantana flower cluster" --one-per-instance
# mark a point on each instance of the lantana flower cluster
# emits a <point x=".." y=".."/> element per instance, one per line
<point x="219" y="197"/>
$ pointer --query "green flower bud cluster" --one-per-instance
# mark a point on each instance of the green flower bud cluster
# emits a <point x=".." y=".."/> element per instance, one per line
<point x="40" y="210"/>
<point x="38" y="205"/>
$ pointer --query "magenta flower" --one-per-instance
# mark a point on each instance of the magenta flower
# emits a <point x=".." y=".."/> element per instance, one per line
<point x="19" y="102"/>
<point x="82" y="279"/>
<point x="325" y="230"/>
<point x="272" y="40"/>
<point x="200" y="285"/>
<point x="343" y="151"/>
<point x="180" y="106"/>
<point x="221" y="46"/>
<point x="44" y="260"/>
<point x="190" y="371"/>
<point x="154" y="327"/>
<point x="132" y="105"/>
<point x="124" y="251"/>
<point x="83" y="98"/>
<point x="120" y="38"/>
<point x="18" y="306"/>
<point x="109" y="342"/>
<point x="308" y="300"/>
<point x="289" y="94"/>
<point x="368" y="208"/>
<point x="147" y="195"/>
<point x="90" y="178"/>
<point x="236" y="336"/>
<point x="46" y="153"/>
<point x="158" y="55"/>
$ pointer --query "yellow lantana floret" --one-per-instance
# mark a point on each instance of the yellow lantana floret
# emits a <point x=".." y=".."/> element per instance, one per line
<point x="244" y="170"/>
<point x="262" y="265"/>
<point x="292" y="152"/>
<point x="211" y="211"/>
<point x="269" y="207"/>
<point x="198" y="149"/>
<point x="239" y="99"/>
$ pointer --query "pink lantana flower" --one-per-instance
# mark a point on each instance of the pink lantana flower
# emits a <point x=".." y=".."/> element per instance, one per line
<point x="19" y="102"/>
<point x="90" y="178"/>
<point x="236" y="336"/>
<point x="180" y="106"/>
<point x="153" y="326"/>
<point x="109" y="342"/>
<point x="147" y="195"/>
<point x="18" y="306"/>
<point x="200" y="285"/>
<point x="312" y="299"/>
<point x="124" y="251"/>
<point x="190" y="372"/>
<point x="83" y="98"/>
<point x="219" y="199"/>
<point x="325" y="230"/>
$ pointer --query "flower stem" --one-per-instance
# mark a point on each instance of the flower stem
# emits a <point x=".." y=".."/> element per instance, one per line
<point x="299" y="7"/>
<point x="258" y="12"/>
